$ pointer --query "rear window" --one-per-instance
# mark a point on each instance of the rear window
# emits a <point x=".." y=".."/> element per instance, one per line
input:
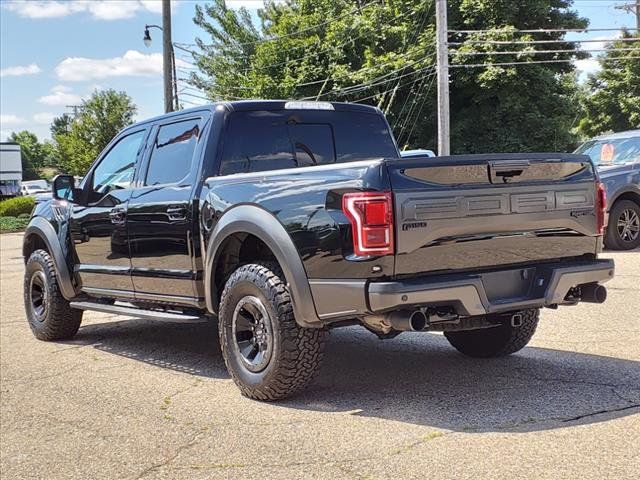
<point x="272" y="140"/>
<point x="612" y="152"/>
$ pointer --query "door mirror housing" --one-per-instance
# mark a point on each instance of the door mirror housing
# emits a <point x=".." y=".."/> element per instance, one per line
<point x="64" y="188"/>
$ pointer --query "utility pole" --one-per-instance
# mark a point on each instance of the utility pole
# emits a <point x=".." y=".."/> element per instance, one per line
<point x="633" y="8"/>
<point x="167" y="61"/>
<point x="443" y="77"/>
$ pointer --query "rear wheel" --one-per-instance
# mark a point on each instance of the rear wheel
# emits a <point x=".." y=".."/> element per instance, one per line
<point x="49" y="314"/>
<point x="268" y="355"/>
<point x="623" y="230"/>
<point x="503" y="339"/>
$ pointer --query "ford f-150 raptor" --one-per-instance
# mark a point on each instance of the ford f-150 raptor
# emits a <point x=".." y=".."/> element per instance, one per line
<point x="286" y="219"/>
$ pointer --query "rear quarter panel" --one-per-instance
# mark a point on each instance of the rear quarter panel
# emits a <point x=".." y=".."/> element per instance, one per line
<point x="308" y="203"/>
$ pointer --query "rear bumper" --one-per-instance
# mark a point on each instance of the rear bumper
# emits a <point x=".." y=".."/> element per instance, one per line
<point x="468" y="294"/>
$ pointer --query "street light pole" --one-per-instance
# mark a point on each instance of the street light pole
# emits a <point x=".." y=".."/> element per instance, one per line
<point x="167" y="61"/>
<point x="168" y="58"/>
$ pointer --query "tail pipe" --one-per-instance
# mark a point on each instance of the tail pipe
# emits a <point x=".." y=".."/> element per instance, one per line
<point x="404" y="320"/>
<point x="593" y="293"/>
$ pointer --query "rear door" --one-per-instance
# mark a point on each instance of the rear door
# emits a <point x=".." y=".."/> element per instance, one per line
<point x="161" y="214"/>
<point x="474" y="211"/>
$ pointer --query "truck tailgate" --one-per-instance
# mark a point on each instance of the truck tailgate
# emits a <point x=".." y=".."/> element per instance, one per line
<point x="474" y="211"/>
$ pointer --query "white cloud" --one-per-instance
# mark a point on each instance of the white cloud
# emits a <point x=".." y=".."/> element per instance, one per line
<point x="132" y="63"/>
<point x="250" y="4"/>
<point x="98" y="9"/>
<point x="587" y="66"/>
<point x="10" y="119"/>
<point x="44" y="118"/>
<point x="61" y="95"/>
<point x="19" y="70"/>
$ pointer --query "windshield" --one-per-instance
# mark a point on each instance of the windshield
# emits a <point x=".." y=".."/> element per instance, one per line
<point x="613" y="151"/>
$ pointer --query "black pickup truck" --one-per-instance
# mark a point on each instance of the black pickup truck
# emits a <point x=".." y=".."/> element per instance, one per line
<point x="286" y="219"/>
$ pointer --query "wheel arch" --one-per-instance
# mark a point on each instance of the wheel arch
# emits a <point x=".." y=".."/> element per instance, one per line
<point x="630" y="192"/>
<point x="41" y="234"/>
<point x="252" y="220"/>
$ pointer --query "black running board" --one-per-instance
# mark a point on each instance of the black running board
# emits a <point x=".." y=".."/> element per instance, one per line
<point x="158" y="315"/>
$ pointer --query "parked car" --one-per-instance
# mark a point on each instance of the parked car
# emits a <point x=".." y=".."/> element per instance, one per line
<point x="287" y="219"/>
<point x="420" y="152"/>
<point x="34" y="187"/>
<point x="617" y="157"/>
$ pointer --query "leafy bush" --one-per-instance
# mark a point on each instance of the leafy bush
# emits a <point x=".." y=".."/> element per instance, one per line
<point x="25" y="215"/>
<point x="15" y="206"/>
<point x="13" y="224"/>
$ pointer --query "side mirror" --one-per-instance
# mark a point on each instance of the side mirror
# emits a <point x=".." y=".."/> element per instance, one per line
<point x="63" y="187"/>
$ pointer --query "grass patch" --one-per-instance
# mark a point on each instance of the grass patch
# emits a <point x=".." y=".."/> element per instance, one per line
<point x="13" y="224"/>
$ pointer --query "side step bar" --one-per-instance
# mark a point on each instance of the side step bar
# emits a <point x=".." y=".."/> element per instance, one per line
<point x="139" y="312"/>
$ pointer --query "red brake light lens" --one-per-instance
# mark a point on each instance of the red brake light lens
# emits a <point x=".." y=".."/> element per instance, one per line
<point x="371" y="217"/>
<point x="601" y="207"/>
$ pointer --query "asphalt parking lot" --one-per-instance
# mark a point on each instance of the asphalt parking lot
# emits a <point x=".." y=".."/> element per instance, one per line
<point x="137" y="399"/>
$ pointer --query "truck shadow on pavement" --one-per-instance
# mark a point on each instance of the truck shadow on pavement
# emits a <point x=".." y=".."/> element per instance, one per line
<point x="415" y="378"/>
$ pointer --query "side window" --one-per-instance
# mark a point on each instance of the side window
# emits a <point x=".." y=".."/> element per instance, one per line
<point x="172" y="153"/>
<point x="115" y="170"/>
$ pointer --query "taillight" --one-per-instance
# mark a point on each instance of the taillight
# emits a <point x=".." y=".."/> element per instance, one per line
<point x="371" y="217"/>
<point x="601" y="207"/>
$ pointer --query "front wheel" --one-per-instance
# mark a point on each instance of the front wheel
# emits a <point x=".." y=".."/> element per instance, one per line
<point x="49" y="314"/>
<point x="503" y="339"/>
<point x="268" y="355"/>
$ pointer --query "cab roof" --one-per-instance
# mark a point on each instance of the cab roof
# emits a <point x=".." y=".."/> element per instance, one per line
<point x="272" y="105"/>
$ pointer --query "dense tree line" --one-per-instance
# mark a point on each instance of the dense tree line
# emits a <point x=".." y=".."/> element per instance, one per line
<point x="382" y="53"/>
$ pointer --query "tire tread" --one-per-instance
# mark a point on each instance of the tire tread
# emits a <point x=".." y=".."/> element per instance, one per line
<point x="302" y="348"/>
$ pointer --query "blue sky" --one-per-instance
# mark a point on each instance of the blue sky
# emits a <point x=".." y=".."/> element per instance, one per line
<point x="54" y="53"/>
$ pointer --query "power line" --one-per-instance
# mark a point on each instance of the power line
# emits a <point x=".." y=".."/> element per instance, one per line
<point x="424" y="97"/>
<point x="519" y="42"/>
<point x="413" y="38"/>
<point x="543" y="30"/>
<point x="462" y="65"/>
<point x="538" y="52"/>
<point x="406" y="84"/>
<point x="373" y="82"/>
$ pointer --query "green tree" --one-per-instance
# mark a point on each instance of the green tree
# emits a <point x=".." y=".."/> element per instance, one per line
<point x="382" y="53"/>
<point x="101" y="117"/>
<point x="32" y="152"/>
<point x="61" y="124"/>
<point x="612" y="99"/>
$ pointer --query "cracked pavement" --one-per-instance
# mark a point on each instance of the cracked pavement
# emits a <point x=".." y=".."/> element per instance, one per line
<point x="136" y="399"/>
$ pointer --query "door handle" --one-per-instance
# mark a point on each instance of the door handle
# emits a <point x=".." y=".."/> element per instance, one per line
<point x="117" y="216"/>
<point x="177" y="213"/>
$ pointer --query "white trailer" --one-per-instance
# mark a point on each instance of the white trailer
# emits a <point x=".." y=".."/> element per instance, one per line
<point x="10" y="169"/>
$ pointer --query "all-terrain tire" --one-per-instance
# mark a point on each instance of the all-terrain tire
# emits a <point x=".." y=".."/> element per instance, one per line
<point x="49" y="314"/>
<point x="612" y="237"/>
<point x="498" y="341"/>
<point x="296" y="352"/>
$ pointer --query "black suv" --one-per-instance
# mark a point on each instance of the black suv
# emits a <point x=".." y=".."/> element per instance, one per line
<point x="286" y="219"/>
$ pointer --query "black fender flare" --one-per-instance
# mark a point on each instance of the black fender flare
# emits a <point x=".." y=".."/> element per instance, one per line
<point x="265" y="226"/>
<point x="42" y="228"/>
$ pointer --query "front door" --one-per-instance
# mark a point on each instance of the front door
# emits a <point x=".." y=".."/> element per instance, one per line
<point x="160" y="216"/>
<point x="98" y="225"/>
